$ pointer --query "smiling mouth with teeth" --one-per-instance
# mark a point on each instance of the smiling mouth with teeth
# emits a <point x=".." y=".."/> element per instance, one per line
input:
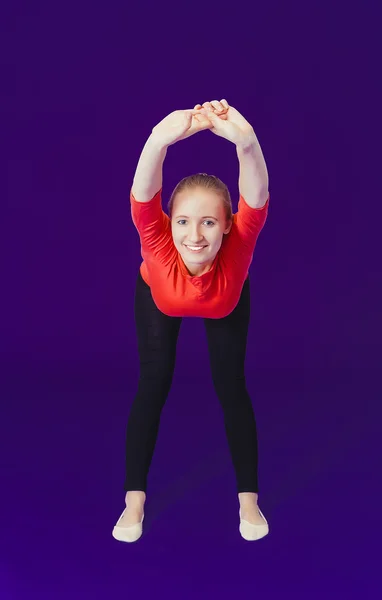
<point x="195" y="248"/>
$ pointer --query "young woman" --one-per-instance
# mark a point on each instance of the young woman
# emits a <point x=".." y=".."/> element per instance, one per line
<point x="195" y="263"/>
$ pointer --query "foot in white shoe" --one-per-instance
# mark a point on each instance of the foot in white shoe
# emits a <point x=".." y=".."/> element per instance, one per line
<point x="129" y="525"/>
<point x="252" y="532"/>
<point x="253" y="524"/>
<point x="252" y="515"/>
<point x="128" y="533"/>
<point x="131" y="516"/>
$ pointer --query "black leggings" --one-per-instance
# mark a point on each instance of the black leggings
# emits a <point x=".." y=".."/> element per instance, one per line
<point x="157" y="336"/>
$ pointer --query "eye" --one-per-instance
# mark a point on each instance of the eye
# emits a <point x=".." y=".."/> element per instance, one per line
<point x="207" y="221"/>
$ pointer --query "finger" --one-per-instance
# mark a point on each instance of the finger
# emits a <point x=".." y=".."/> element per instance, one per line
<point x="201" y="122"/>
<point x="208" y="105"/>
<point x="197" y="107"/>
<point x="214" y="118"/>
<point x="201" y="117"/>
<point x="224" y="103"/>
<point x="201" y="113"/>
<point x="209" y="111"/>
<point x="206" y="124"/>
<point x="217" y="106"/>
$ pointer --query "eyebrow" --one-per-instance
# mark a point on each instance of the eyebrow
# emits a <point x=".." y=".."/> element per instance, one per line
<point x="207" y="217"/>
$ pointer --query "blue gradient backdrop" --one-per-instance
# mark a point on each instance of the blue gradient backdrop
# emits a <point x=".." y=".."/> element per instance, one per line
<point x="82" y="86"/>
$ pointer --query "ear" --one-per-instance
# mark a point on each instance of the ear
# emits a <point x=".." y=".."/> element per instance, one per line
<point x="229" y="226"/>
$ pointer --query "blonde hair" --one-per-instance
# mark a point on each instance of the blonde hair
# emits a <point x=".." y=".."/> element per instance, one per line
<point x="209" y="182"/>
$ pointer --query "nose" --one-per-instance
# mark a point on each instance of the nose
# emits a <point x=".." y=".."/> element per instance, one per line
<point x="194" y="236"/>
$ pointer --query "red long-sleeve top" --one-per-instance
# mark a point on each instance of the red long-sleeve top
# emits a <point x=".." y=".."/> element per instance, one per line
<point x="175" y="292"/>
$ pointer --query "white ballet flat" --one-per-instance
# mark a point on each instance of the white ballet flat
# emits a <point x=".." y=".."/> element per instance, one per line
<point x="127" y="534"/>
<point x="252" y="532"/>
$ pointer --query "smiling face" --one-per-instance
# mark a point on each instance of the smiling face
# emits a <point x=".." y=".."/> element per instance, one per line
<point x="198" y="224"/>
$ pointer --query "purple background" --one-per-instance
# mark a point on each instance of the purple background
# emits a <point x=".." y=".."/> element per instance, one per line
<point x="82" y="86"/>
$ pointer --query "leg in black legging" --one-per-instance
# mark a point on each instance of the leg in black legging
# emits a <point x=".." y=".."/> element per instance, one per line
<point x="227" y="341"/>
<point x="157" y="336"/>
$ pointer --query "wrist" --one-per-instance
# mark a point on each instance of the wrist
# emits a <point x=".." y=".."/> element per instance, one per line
<point x="247" y="142"/>
<point x="156" y="143"/>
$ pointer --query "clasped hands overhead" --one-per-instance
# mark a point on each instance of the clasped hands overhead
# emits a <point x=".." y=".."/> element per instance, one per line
<point x="219" y="117"/>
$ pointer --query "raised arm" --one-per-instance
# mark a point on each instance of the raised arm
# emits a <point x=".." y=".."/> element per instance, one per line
<point x="177" y="126"/>
<point x="253" y="173"/>
<point x="148" y="174"/>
